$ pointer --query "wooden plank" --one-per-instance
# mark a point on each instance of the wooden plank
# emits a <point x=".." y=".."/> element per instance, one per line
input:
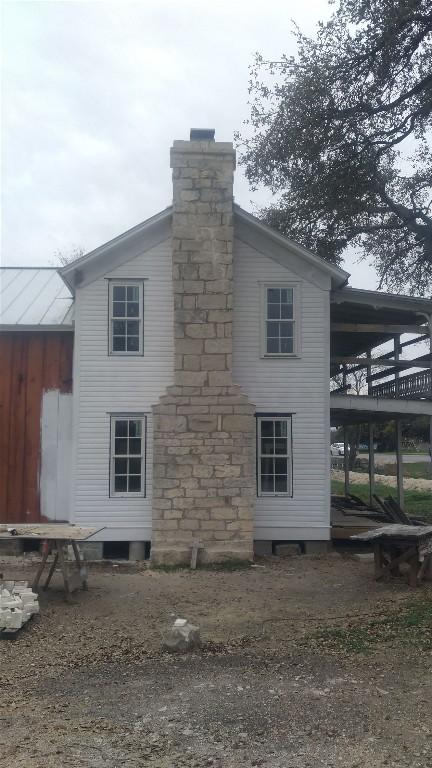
<point x="52" y="344"/>
<point x="418" y="362"/>
<point x="31" y="505"/>
<point x="17" y="435"/>
<point x="66" y="362"/>
<point x="50" y="531"/>
<point x="49" y="454"/>
<point x="377" y="328"/>
<point x="6" y="347"/>
<point x="64" y="457"/>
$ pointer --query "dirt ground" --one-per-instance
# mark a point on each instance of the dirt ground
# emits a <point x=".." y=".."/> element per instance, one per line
<point x="86" y="684"/>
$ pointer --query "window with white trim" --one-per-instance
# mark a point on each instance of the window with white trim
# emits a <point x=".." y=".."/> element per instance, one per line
<point x="128" y="455"/>
<point x="280" y="320"/>
<point x="126" y="318"/>
<point x="274" y="455"/>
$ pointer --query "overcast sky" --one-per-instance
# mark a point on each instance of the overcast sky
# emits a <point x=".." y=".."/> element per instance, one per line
<point x="94" y="94"/>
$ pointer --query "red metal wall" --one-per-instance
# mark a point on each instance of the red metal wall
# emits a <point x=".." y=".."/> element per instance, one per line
<point x="30" y="364"/>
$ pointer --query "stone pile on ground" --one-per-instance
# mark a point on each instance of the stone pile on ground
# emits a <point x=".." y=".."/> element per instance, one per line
<point x="182" y="637"/>
<point x="17" y="604"/>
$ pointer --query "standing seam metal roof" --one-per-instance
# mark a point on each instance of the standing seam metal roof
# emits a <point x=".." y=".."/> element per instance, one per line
<point x="34" y="296"/>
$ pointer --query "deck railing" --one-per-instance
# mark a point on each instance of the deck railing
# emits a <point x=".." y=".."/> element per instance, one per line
<point x="415" y="386"/>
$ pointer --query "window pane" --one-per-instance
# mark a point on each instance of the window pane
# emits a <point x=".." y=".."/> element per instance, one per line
<point x="121" y="428"/>
<point x="287" y="295"/>
<point x="134" y="446"/>
<point x="134" y="428"/>
<point x="134" y="483"/>
<point x="132" y="344"/>
<point x="287" y="346"/>
<point x="120" y="483"/>
<point x="119" y="343"/>
<point x="120" y="466"/>
<point x="132" y="327"/>
<point x="267" y="466"/>
<point x="273" y="346"/>
<point x="281" y="446"/>
<point x="280" y="428"/>
<point x="273" y="295"/>
<point x="119" y="308"/>
<point x="273" y="311"/>
<point x="287" y="311"/>
<point x="134" y="466"/>
<point x="119" y="327"/>
<point x="121" y="446"/>
<point x="119" y="292"/>
<point x="286" y="329"/>
<point x="273" y="330"/>
<point x="267" y="446"/>
<point x="132" y="309"/>
<point x="267" y="428"/>
<point x="132" y="293"/>
<point x="267" y="483"/>
<point x="281" y="484"/>
<point x="280" y="466"/>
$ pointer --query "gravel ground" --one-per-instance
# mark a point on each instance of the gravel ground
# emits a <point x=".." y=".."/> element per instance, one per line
<point x="86" y="685"/>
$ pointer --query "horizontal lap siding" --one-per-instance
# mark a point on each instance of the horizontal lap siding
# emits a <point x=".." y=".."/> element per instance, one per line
<point x="106" y="384"/>
<point x="296" y="385"/>
<point x="31" y="363"/>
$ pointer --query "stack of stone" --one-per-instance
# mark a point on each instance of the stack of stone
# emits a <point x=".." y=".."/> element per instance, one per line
<point x="204" y="426"/>
<point x="17" y="604"/>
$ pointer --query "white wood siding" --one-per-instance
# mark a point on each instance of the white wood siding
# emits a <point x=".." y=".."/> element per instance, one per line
<point x="106" y="384"/>
<point x="294" y="385"/>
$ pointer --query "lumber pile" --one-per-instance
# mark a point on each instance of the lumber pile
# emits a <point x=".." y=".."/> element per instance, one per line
<point x="18" y="603"/>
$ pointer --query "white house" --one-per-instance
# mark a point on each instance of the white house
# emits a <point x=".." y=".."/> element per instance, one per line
<point x="201" y="402"/>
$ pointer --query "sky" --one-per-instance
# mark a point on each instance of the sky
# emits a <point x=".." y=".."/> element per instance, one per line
<point x="93" y="95"/>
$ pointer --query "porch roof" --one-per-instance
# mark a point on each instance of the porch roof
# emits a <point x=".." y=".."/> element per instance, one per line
<point x="360" y="409"/>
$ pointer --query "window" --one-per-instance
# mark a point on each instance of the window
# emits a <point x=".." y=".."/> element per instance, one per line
<point x="128" y="435"/>
<point x="274" y="456"/>
<point x="280" y="327"/>
<point x="126" y="318"/>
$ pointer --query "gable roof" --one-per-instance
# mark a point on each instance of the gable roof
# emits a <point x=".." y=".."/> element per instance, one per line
<point x="34" y="298"/>
<point x="158" y="228"/>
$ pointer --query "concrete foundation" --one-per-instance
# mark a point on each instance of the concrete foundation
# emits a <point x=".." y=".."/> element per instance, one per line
<point x="287" y="550"/>
<point x="262" y="548"/>
<point x="92" y="550"/>
<point x="137" y="550"/>
<point x="317" y="547"/>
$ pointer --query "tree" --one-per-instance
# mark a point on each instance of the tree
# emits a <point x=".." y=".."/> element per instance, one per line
<point x="66" y="257"/>
<point x="340" y="134"/>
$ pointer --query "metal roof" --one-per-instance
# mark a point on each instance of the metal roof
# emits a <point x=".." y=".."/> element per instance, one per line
<point x="34" y="297"/>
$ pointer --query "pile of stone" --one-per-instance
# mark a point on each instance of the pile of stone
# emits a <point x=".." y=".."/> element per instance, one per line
<point x="17" y="604"/>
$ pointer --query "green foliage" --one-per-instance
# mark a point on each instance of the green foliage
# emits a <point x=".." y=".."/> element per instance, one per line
<point x="417" y="503"/>
<point x="340" y="134"/>
<point x="410" y="625"/>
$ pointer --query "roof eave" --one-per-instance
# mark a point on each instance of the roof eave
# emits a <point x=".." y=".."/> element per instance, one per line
<point x="339" y="277"/>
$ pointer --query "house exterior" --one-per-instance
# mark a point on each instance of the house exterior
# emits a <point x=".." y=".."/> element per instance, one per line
<point x="200" y="400"/>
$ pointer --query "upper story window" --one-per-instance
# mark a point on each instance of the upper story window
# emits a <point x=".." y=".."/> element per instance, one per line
<point x="280" y="320"/>
<point x="126" y="318"/>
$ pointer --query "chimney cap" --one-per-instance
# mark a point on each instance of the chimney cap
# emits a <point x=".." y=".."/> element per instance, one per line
<point x="202" y="134"/>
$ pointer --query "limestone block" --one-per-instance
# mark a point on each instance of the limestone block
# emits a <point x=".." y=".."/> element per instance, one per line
<point x="215" y="346"/>
<point x="182" y="637"/>
<point x="200" y="330"/>
<point x="191" y="378"/>
<point x="202" y="423"/>
<point x="164" y="423"/>
<point x="220" y="378"/>
<point x="213" y="301"/>
<point x="213" y="362"/>
<point x="237" y="423"/>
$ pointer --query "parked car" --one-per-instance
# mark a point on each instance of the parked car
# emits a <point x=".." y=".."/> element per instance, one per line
<point x="337" y="449"/>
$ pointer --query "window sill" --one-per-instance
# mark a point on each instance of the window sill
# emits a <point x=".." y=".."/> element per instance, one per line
<point x="278" y="355"/>
<point x="127" y="496"/>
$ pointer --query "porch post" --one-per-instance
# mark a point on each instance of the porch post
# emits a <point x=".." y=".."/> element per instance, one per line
<point x="399" y="463"/>
<point x="345" y="440"/>
<point x="371" y="463"/>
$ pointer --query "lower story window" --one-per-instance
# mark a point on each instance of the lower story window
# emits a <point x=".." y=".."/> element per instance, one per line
<point x="274" y="456"/>
<point x="128" y="446"/>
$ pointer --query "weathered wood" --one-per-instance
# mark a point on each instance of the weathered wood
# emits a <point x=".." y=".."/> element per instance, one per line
<point x="80" y="564"/>
<point x="30" y="363"/>
<point x="50" y="531"/>
<point x="371" y="463"/>
<point x="45" y="553"/>
<point x="51" y="571"/>
<point x="376" y="328"/>
<point x="364" y="362"/>
<point x="396" y="531"/>
<point x="64" y="567"/>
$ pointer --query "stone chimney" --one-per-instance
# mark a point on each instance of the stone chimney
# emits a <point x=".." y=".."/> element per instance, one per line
<point x="204" y="427"/>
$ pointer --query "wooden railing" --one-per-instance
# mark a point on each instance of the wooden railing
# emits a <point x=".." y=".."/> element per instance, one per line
<point x="415" y="385"/>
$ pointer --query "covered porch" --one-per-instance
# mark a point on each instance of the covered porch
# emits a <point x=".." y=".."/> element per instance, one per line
<point x="381" y="347"/>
